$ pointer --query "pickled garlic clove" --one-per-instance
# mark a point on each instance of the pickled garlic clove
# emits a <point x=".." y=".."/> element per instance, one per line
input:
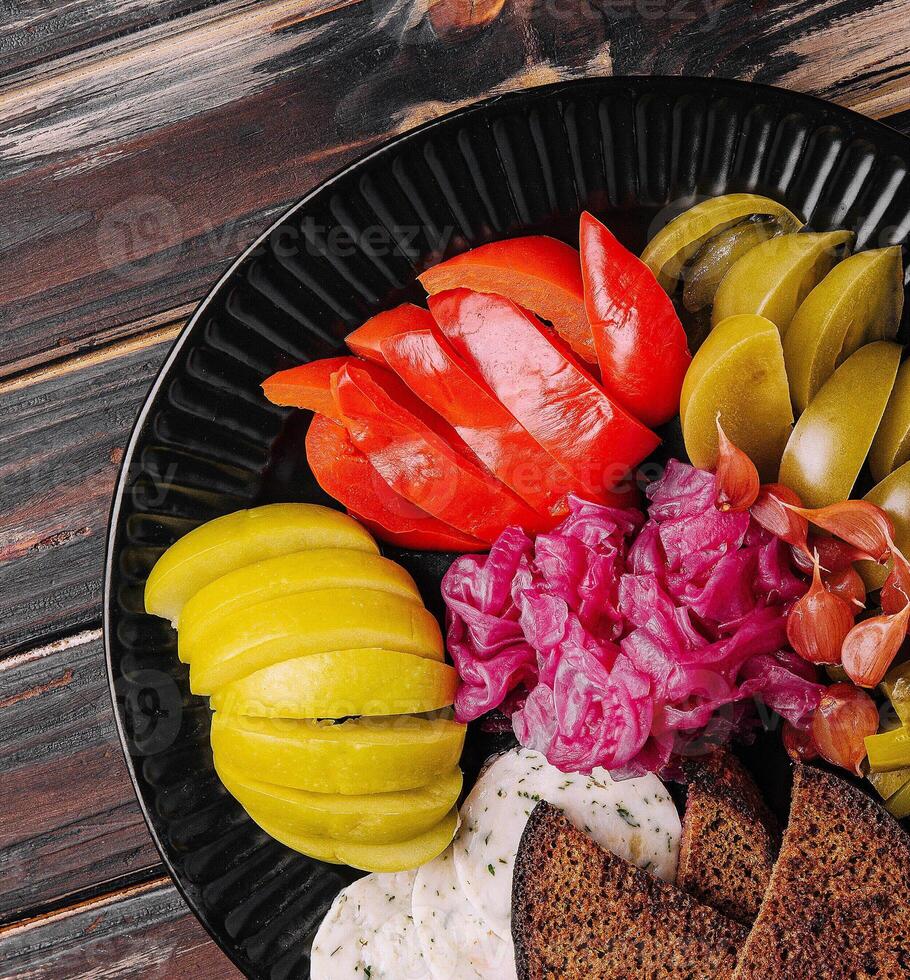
<point x="871" y="646"/>
<point x="818" y="622"/>
<point x="849" y="585"/>
<point x="844" y="718"/>
<point x="858" y="522"/>
<point x="799" y="743"/>
<point x="896" y="590"/>
<point x="771" y="512"/>
<point x="737" y="478"/>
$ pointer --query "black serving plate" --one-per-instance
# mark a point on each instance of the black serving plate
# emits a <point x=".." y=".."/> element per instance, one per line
<point x="635" y="151"/>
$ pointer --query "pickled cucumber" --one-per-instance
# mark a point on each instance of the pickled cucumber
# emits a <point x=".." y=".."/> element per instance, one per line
<point x="893" y="496"/>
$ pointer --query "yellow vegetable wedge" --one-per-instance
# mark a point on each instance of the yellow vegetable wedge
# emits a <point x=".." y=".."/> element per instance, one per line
<point x="891" y="446"/>
<point x="831" y="440"/>
<point x="238" y="539"/>
<point x="889" y="750"/>
<point x="357" y="757"/>
<point x="340" y="684"/>
<point x="676" y="243"/>
<point x="859" y="301"/>
<point x="893" y="496"/>
<point x="775" y="277"/>
<point x="299" y="571"/>
<point x="380" y="818"/>
<point x="309" y="622"/>
<point x="739" y="374"/>
<point x="383" y="858"/>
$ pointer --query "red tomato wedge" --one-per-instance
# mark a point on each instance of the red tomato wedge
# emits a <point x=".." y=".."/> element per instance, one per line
<point x="348" y="476"/>
<point x="436" y="374"/>
<point x="366" y="341"/>
<point x="641" y="345"/>
<point x="561" y="405"/>
<point x="538" y="273"/>
<point x="310" y="386"/>
<point x="416" y="463"/>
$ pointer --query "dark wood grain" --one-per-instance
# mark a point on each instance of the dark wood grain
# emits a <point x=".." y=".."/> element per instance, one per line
<point x="121" y="212"/>
<point x="145" y="931"/>
<point x="37" y="31"/>
<point x="62" y="433"/>
<point x="69" y="820"/>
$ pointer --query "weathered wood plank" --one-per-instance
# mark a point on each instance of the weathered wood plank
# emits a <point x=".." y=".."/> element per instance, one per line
<point x="117" y="211"/>
<point x="37" y="31"/>
<point x="62" y="432"/>
<point x="145" y="931"/>
<point x="69" y="819"/>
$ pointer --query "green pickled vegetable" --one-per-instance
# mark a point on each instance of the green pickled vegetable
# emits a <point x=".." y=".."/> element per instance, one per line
<point x="773" y="278"/>
<point x="891" y="446"/>
<point x="893" y="496"/>
<point x="899" y="804"/>
<point x="886" y="784"/>
<point x="738" y="375"/>
<point x="889" y="750"/>
<point x="859" y="300"/>
<point x="676" y="243"/>
<point x="896" y="686"/>
<point x="831" y="440"/>
<point x="704" y="274"/>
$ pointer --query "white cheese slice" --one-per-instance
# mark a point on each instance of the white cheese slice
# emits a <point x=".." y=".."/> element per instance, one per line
<point x="634" y="818"/>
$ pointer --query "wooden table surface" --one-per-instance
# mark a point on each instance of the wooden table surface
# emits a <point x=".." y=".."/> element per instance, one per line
<point x="142" y="146"/>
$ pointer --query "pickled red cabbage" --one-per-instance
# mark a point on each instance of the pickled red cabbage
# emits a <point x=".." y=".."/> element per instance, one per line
<point x="616" y="641"/>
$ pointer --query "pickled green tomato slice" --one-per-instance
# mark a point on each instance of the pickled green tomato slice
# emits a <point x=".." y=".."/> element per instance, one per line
<point x="738" y="375"/>
<point x="860" y="300"/>
<point x="772" y="279"/>
<point x="676" y="243"/>
<point x="832" y="438"/>
<point x="891" y="446"/>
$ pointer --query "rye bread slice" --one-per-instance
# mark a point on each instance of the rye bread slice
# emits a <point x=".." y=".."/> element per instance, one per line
<point x="730" y="838"/>
<point x="582" y="913"/>
<point x="838" y="905"/>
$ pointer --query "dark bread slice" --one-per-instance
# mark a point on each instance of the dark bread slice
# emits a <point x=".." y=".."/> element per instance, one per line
<point x="730" y="838"/>
<point x="582" y="913"/>
<point x="838" y="906"/>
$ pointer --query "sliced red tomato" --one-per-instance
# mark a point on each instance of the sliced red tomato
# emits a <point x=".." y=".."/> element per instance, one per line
<point x="641" y="345"/>
<point x="538" y="273"/>
<point x="416" y="463"/>
<point x="366" y="341"/>
<point x="310" y="386"/>
<point x="436" y="374"/>
<point x="560" y="404"/>
<point x="348" y="476"/>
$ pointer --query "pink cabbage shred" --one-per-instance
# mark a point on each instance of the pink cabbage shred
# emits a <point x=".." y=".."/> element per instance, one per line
<point x="614" y="641"/>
